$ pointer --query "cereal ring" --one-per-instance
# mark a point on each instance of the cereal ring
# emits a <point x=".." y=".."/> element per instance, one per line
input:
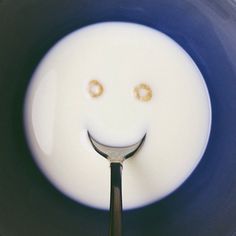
<point x="95" y="88"/>
<point x="143" y="92"/>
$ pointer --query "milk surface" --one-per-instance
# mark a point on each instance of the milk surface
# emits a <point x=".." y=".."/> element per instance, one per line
<point x="59" y="110"/>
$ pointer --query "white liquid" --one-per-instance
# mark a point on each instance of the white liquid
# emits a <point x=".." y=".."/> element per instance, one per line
<point x="59" y="110"/>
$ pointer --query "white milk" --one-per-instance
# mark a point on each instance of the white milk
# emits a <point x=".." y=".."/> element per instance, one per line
<point x="120" y="56"/>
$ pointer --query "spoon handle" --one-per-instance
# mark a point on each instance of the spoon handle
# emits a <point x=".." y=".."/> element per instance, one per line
<point x="115" y="201"/>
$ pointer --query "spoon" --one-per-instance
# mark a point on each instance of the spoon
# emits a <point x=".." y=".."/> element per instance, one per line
<point x="116" y="156"/>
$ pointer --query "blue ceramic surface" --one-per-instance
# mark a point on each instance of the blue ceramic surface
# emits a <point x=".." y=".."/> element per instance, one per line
<point x="205" y="205"/>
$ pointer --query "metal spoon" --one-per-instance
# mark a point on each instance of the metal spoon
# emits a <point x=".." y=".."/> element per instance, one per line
<point x="116" y="156"/>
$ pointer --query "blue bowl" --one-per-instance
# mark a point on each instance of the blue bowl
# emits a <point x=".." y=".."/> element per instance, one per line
<point x="205" y="204"/>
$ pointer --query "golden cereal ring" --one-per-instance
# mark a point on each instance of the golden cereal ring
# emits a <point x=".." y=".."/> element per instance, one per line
<point x="95" y="89"/>
<point x="143" y="92"/>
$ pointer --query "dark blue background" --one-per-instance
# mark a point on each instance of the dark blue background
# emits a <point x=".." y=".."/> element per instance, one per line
<point x="204" y="206"/>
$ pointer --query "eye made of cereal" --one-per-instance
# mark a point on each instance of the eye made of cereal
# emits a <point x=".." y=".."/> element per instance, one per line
<point x="143" y="92"/>
<point x="95" y="88"/>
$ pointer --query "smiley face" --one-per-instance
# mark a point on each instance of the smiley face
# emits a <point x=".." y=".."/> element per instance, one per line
<point x="119" y="81"/>
<point x="110" y="104"/>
